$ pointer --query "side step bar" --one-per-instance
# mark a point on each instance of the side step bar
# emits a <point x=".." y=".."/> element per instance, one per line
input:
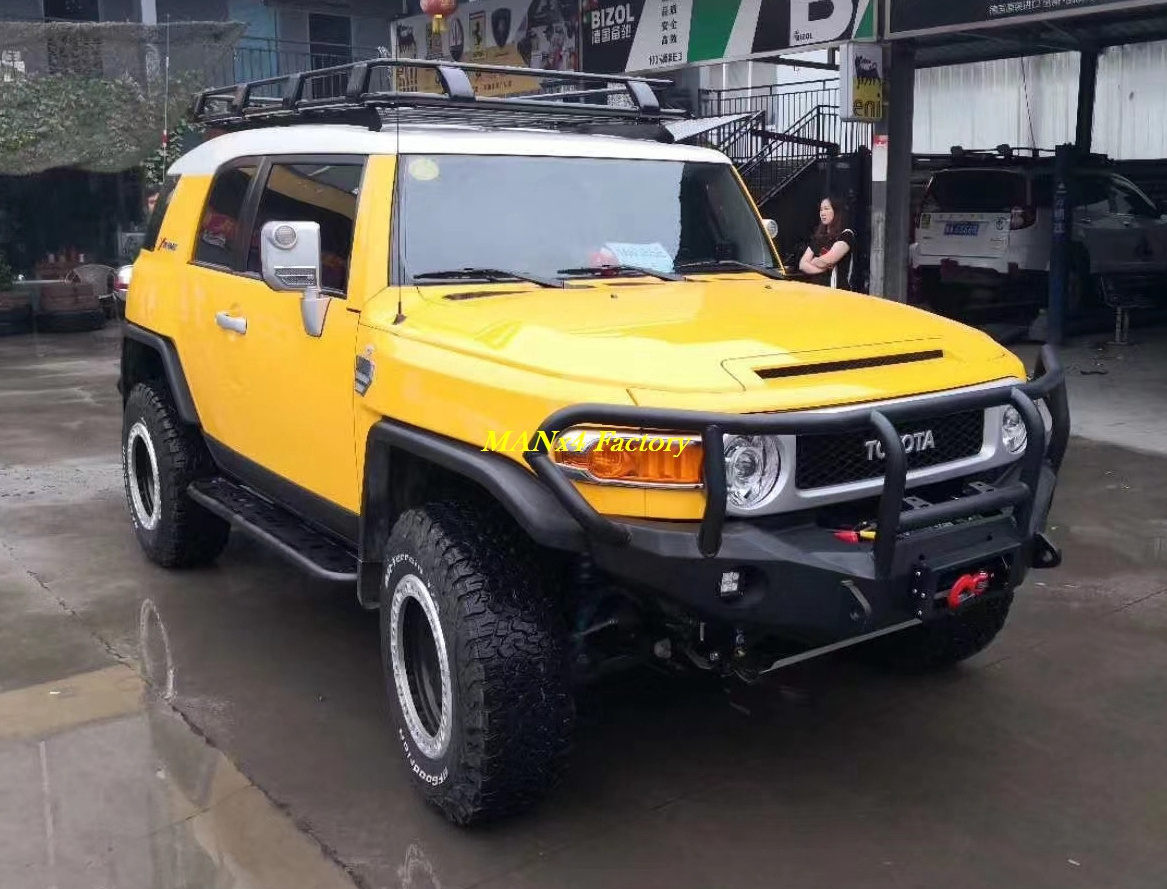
<point x="319" y="555"/>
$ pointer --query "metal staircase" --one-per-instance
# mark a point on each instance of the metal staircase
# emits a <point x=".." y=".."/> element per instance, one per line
<point x="783" y="157"/>
<point x="804" y="131"/>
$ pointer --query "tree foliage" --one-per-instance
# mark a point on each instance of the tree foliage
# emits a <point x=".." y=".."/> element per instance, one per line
<point x="98" y="96"/>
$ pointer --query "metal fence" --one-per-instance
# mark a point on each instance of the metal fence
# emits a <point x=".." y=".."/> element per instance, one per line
<point x="786" y="106"/>
<point x="256" y="58"/>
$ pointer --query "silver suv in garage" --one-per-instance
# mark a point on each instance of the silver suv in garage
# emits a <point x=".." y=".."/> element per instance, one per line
<point x="983" y="237"/>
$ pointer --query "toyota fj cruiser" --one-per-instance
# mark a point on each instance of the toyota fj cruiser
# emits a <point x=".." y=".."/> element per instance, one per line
<point x="541" y="393"/>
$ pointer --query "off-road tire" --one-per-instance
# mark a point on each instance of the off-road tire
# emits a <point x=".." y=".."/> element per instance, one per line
<point x="510" y="711"/>
<point x="942" y="643"/>
<point x="173" y="530"/>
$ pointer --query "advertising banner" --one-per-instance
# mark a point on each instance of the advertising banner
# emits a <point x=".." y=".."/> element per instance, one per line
<point x="861" y="82"/>
<point x="908" y="18"/>
<point x="520" y="33"/>
<point x="638" y="36"/>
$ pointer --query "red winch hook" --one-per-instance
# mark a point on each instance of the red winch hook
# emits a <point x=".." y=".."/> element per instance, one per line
<point x="969" y="586"/>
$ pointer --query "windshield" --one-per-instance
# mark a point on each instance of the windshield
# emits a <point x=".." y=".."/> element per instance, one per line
<point x="557" y="217"/>
<point x="975" y="191"/>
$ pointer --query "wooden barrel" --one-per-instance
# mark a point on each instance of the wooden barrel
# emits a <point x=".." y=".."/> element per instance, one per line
<point x="68" y="307"/>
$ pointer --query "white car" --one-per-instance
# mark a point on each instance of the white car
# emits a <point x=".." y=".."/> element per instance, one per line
<point x="984" y="235"/>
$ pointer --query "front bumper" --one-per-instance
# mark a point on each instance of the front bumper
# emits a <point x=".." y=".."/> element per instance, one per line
<point x="798" y="578"/>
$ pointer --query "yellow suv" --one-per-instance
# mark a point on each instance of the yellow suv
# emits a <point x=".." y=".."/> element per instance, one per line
<point x="530" y="377"/>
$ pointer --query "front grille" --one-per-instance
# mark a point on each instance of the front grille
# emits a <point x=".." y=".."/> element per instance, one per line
<point x="826" y="460"/>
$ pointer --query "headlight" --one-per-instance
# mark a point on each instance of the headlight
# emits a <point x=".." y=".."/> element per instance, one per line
<point x="1013" y="432"/>
<point x="752" y="466"/>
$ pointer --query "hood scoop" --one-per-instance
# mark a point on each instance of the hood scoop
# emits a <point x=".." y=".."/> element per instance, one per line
<point x="825" y="367"/>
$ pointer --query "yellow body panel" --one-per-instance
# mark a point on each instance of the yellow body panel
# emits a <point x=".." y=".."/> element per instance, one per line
<point x="504" y="362"/>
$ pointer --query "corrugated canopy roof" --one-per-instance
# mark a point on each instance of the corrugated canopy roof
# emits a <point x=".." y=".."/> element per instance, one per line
<point x="1072" y="34"/>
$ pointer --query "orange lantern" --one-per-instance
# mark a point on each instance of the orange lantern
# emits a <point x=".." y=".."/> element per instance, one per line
<point x="438" y="10"/>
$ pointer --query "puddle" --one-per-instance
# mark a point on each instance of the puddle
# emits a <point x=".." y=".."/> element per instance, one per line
<point x="106" y="786"/>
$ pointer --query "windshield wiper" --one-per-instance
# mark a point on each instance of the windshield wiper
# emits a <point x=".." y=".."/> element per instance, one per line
<point x="488" y="275"/>
<point x="734" y="263"/>
<point x="635" y="269"/>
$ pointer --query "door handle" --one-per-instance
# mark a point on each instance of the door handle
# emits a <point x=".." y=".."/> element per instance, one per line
<point x="228" y="322"/>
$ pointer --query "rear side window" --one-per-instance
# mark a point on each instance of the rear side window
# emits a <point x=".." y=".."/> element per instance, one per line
<point x="975" y="191"/>
<point x="154" y="223"/>
<point x="1129" y="201"/>
<point x="215" y="244"/>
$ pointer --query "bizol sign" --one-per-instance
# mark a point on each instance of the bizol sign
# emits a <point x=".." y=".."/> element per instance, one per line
<point x="642" y="35"/>
<point x="912" y="18"/>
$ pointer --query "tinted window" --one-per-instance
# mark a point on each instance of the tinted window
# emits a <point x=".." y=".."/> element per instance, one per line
<point x="1093" y="194"/>
<point x="216" y="238"/>
<point x="975" y="191"/>
<point x="154" y="223"/>
<point x="1043" y="191"/>
<point x="1129" y="201"/>
<point x="322" y="193"/>
<point x="542" y="215"/>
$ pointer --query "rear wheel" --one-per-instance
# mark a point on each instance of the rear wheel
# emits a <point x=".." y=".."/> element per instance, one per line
<point x="476" y="663"/>
<point x="161" y="456"/>
<point x="941" y="643"/>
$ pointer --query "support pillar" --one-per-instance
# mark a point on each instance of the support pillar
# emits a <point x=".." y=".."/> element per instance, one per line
<point x="1087" y="93"/>
<point x="891" y="197"/>
<point x="1059" y="264"/>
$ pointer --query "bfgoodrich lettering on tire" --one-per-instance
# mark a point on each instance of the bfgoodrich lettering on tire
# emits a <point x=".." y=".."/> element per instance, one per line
<point x="161" y="456"/>
<point x="475" y="663"/>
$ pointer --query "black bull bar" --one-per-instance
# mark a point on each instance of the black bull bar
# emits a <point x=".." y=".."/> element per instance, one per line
<point x="1047" y="384"/>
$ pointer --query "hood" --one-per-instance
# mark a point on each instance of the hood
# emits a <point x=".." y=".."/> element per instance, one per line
<point x="722" y="337"/>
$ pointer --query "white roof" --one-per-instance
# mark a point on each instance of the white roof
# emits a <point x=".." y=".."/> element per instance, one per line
<point x="435" y="139"/>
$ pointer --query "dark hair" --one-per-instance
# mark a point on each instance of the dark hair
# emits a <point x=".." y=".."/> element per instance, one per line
<point x="837" y="224"/>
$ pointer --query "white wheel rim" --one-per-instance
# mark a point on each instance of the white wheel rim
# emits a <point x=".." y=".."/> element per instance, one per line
<point x="433" y="739"/>
<point x="142" y="476"/>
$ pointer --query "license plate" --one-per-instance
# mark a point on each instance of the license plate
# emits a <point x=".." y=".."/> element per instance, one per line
<point x="962" y="229"/>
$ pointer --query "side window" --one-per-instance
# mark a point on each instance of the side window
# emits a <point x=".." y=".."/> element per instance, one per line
<point x="1094" y="196"/>
<point x="154" y="223"/>
<point x="322" y="193"/>
<point x="216" y="238"/>
<point x="1129" y="202"/>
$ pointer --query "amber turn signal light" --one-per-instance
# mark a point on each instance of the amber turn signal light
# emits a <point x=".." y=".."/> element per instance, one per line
<point x="631" y="458"/>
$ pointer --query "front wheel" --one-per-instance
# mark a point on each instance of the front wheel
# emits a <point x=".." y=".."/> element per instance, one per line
<point x="476" y="663"/>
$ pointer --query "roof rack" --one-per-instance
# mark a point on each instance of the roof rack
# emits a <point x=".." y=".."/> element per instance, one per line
<point x="344" y="94"/>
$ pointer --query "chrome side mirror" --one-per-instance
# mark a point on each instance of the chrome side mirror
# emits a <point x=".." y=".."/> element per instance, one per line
<point x="290" y="260"/>
<point x="771" y="228"/>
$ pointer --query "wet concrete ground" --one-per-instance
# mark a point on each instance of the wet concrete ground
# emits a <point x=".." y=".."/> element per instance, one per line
<point x="228" y="727"/>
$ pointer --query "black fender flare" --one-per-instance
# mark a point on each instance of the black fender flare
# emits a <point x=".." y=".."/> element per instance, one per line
<point x="532" y="505"/>
<point x="171" y="366"/>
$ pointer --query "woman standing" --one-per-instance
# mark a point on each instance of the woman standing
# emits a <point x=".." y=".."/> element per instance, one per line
<point x="828" y="258"/>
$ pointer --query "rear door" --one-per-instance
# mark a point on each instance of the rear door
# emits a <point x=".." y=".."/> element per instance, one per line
<point x="966" y="213"/>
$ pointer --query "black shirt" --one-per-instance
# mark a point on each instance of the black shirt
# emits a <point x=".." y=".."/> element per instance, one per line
<point x="840" y="276"/>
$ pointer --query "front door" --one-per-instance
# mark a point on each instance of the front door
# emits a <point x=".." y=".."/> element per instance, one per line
<point x="291" y="425"/>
